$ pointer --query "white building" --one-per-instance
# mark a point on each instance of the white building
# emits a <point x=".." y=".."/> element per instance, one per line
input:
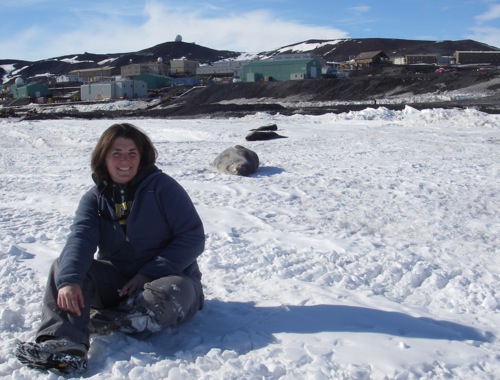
<point x="224" y="68"/>
<point x="121" y="89"/>
<point x="69" y="79"/>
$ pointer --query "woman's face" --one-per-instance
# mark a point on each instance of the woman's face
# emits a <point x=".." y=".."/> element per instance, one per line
<point x="122" y="160"/>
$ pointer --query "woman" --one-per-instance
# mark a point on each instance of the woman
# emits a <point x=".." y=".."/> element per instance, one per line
<point x="147" y="235"/>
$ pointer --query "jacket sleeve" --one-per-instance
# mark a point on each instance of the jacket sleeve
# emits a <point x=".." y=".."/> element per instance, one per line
<point x="187" y="240"/>
<point x="77" y="255"/>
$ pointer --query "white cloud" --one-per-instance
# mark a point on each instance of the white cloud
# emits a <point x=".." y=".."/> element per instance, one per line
<point x="492" y="14"/>
<point x="360" y="8"/>
<point x="20" y="45"/>
<point x="252" y="32"/>
<point x="487" y="35"/>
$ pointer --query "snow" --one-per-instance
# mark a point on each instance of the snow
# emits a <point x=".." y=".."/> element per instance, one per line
<point x="43" y="75"/>
<point x="243" y="57"/>
<point x="107" y="105"/>
<point x="74" y="60"/>
<point x="308" y="46"/>
<point x="365" y="247"/>
<point x="106" y="61"/>
<point x="8" y="69"/>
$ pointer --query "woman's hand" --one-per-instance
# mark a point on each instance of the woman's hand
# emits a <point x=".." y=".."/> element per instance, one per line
<point x="70" y="298"/>
<point x="136" y="283"/>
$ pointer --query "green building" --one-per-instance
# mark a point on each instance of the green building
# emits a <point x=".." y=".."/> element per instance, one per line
<point x="154" y="81"/>
<point x="31" y="90"/>
<point x="281" y="69"/>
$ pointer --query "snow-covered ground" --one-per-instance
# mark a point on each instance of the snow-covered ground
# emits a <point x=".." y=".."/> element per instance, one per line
<point x="365" y="247"/>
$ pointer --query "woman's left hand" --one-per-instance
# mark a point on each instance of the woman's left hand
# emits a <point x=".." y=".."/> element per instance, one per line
<point x="136" y="283"/>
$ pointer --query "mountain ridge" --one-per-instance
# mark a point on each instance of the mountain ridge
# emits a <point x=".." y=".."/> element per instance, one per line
<point x="329" y="50"/>
<point x="346" y="49"/>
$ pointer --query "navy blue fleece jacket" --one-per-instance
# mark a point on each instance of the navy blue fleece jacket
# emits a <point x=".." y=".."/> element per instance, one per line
<point x="164" y="234"/>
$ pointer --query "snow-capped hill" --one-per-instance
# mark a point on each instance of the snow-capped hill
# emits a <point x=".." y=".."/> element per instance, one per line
<point x="345" y="49"/>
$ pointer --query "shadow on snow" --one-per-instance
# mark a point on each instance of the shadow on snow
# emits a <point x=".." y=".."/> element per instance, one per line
<point x="267" y="171"/>
<point x="243" y="327"/>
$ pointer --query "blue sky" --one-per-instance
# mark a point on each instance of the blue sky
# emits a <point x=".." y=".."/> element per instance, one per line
<point x="40" y="29"/>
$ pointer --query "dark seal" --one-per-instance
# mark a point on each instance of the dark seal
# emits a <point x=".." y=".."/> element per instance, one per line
<point x="263" y="135"/>
<point x="268" y="127"/>
<point x="237" y="160"/>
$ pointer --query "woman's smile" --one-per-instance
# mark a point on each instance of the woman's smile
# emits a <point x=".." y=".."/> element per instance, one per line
<point x="122" y="160"/>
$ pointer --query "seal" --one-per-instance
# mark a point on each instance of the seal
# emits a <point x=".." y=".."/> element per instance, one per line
<point x="263" y="135"/>
<point x="267" y="127"/>
<point x="237" y="160"/>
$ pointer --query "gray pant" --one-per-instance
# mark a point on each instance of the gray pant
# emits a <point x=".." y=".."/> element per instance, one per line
<point x="168" y="300"/>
